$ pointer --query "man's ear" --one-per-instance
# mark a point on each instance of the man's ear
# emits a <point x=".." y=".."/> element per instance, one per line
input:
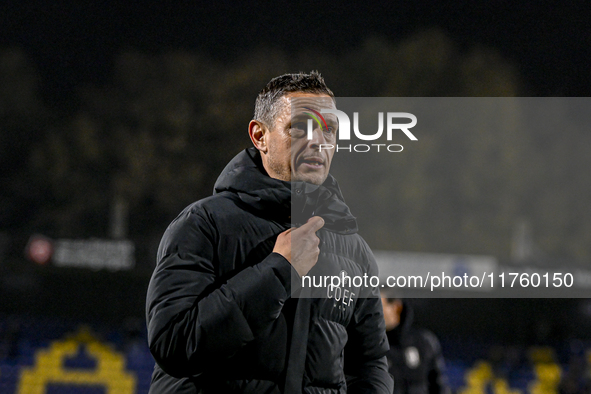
<point x="258" y="135"/>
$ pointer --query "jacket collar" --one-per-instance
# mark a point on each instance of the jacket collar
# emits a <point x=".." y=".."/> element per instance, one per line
<point x="288" y="202"/>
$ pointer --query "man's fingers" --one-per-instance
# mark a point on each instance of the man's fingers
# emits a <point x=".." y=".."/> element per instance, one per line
<point x="289" y="230"/>
<point x="314" y="224"/>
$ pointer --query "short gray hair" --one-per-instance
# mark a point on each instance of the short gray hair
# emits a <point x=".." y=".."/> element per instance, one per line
<point x="267" y="104"/>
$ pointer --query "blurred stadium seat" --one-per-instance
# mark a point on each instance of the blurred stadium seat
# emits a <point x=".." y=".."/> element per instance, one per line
<point x="44" y="356"/>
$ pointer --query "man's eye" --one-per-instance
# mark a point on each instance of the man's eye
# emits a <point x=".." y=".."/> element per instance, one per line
<point x="298" y="125"/>
<point x="296" y="132"/>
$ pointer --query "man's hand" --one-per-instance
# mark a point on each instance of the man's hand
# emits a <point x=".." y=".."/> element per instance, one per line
<point x="300" y="245"/>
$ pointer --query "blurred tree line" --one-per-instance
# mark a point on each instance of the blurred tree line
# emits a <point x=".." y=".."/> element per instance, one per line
<point x="156" y="137"/>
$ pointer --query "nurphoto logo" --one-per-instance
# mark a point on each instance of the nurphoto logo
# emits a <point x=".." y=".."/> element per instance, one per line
<point x="344" y="132"/>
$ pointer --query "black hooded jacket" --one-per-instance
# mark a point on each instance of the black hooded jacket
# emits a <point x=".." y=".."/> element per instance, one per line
<point x="220" y="314"/>
<point x="415" y="359"/>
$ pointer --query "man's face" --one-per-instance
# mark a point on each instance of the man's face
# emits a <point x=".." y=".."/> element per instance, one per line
<point x="291" y="156"/>
<point x="392" y="311"/>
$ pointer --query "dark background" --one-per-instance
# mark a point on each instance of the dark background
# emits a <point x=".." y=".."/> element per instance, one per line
<point x="85" y="82"/>
<point x="74" y="43"/>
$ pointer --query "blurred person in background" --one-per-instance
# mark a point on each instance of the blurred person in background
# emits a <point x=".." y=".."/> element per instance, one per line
<point x="415" y="359"/>
<point x="222" y="309"/>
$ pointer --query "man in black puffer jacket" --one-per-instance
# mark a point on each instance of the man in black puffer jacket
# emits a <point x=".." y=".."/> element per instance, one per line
<point x="226" y="310"/>
<point x="415" y="358"/>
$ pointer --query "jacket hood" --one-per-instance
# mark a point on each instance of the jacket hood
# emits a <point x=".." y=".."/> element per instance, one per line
<point x="289" y="202"/>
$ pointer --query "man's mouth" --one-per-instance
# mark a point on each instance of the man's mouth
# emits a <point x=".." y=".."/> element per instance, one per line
<point x="314" y="162"/>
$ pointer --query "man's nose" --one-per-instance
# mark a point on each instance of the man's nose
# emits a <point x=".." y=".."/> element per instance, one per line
<point x="318" y="137"/>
